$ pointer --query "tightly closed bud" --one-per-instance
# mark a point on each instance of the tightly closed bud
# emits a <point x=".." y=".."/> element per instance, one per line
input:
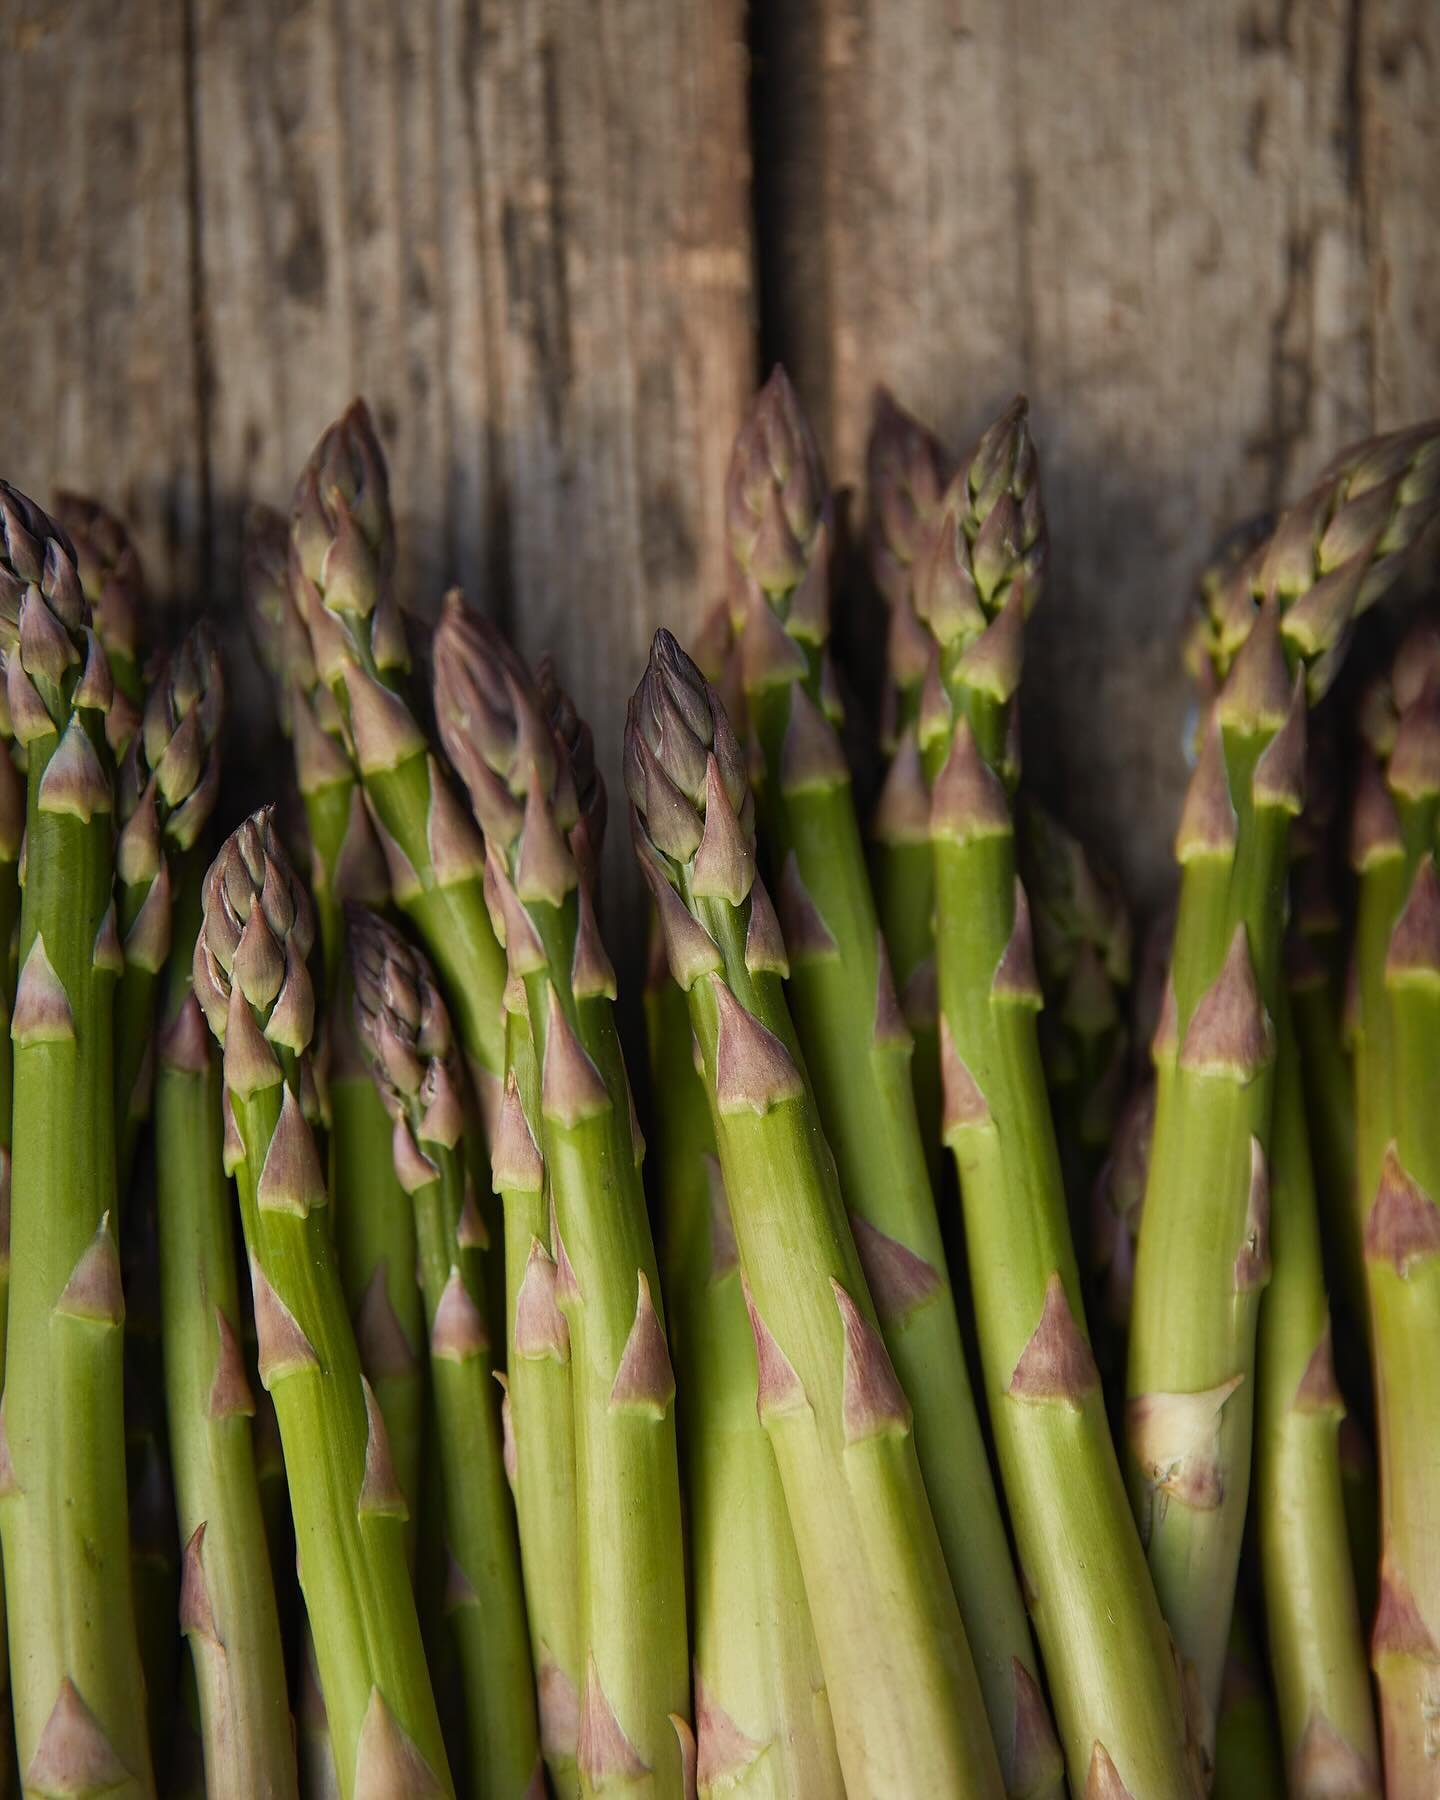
<point x="675" y="730"/>
<point x="109" y="568"/>
<point x="778" y="514"/>
<point x="173" y="762"/>
<point x="492" y="723"/>
<point x="253" y="898"/>
<point x="404" y="1028"/>
<point x="36" y="555"/>
<point x="990" y="535"/>
<point x="1337" y="550"/>
<point x="342" y="536"/>
<point x="907" y="475"/>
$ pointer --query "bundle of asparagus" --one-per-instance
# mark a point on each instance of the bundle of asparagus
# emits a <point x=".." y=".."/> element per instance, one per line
<point x="327" y="1238"/>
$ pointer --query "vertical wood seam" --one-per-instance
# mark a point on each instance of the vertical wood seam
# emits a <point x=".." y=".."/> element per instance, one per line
<point x="199" y="302"/>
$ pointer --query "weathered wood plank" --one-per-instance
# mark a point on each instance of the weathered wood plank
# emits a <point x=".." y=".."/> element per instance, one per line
<point x="523" y="232"/>
<point x="1400" y="48"/>
<point x="95" y="307"/>
<point x="1190" y="233"/>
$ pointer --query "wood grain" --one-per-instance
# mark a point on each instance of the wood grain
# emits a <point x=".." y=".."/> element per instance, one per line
<point x="1201" y="238"/>
<point x="95" y="305"/>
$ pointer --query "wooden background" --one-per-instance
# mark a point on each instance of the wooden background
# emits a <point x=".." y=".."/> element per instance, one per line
<point x="553" y="241"/>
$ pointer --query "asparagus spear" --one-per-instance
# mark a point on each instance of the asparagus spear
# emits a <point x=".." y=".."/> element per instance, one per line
<point x="1116" y="1203"/>
<point x="908" y="1712"/>
<point x="856" y="1045"/>
<point x="108" y="565"/>
<point x="342" y="548"/>
<point x="1203" y="1256"/>
<point x="1248" y="1761"/>
<point x="907" y="475"/>
<point x="251" y="982"/>
<point x="1322" y="1686"/>
<point x="1394" y="832"/>
<point x="1314" y="969"/>
<point x="543" y="844"/>
<point x="539" y="1412"/>
<point x="1082" y="956"/>
<point x="343" y="850"/>
<point x="12" y="832"/>
<point x="375" y="1239"/>
<point x="166" y="790"/>
<point x="405" y="1033"/>
<point x="228" y="1609"/>
<point x="1112" y="1677"/>
<point x="78" y="1695"/>
<point x="762" y="1716"/>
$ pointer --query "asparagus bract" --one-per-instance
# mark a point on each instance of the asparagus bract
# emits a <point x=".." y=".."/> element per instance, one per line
<point x="541" y="809"/>
<point x="342" y="542"/>
<point x="1112" y="1677"/>
<point x="78" y="1694"/>
<point x="251" y="981"/>
<point x="228" y="1609"/>
<point x="167" y="786"/>
<point x="1322" y="1685"/>
<point x="762" y="1717"/>
<point x="1203" y="1256"/>
<point x="856" y="1045"/>
<point x="906" y="478"/>
<point x="908" y="1712"/>
<point x="1394" y="833"/>
<point x="405" y="1033"/>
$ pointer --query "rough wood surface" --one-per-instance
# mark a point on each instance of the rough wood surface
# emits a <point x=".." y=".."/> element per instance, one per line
<point x="522" y="229"/>
<point x="1202" y="238"/>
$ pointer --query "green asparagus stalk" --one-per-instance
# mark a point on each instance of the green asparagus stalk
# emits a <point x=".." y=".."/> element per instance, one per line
<point x="1360" y="1490"/>
<point x="228" y="1609"/>
<point x="12" y="832"/>
<point x="375" y="1237"/>
<point x="1117" y="1201"/>
<point x="343" y="851"/>
<point x="1394" y="843"/>
<point x="908" y="1712"/>
<point x="78" y="1694"/>
<point x="856" y="1045"/>
<point x="251" y="981"/>
<point x="762" y="1717"/>
<point x="108" y="565"/>
<point x="907" y="475"/>
<point x="1248" y="1761"/>
<point x="1112" y="1677"/>
<point x="1315" y="976"/>
<point x="342" y="548"/>
<point x="1317" y="1654"/>
<point x="166" y="789"/>
<point x="405" y="1034"/>
<point x="538" y="1410"/>
<point x="1203" y="1257"/>
<point x="541" y="808"/>
<point x="1082" y="956"/>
